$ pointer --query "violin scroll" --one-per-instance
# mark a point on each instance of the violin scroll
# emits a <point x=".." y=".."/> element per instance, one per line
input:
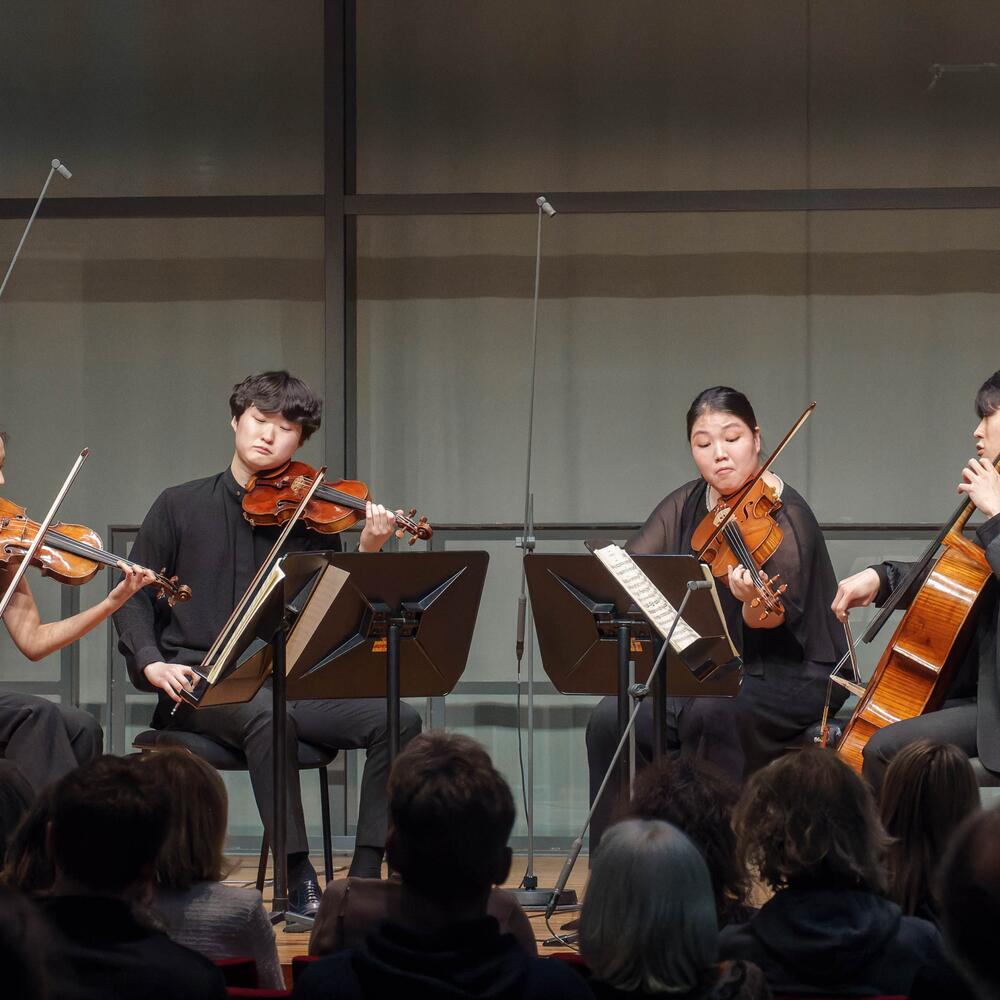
<point x="421" y="529"/>
<point x="168" y="587"/>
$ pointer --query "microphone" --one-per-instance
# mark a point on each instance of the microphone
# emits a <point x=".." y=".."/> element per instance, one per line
<point x="545" y="206"/>
<point x="61" y="168"/>
<point x="699" y="585"/>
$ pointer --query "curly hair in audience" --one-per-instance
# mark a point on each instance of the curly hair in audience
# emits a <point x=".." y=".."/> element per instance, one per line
<point x="193" y="850"/>
<point x="809" y="820"/>
<point x="699" y="800"/>
<point x="928" y="790"/>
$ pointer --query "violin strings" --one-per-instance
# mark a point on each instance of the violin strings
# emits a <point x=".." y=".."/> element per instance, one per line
<point x="738" y="544"/>
<point x="346" y="500"/>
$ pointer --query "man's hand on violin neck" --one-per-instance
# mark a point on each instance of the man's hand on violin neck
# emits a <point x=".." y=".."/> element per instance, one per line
<point x="379" y="526"/>
<point x="171" y="678"/>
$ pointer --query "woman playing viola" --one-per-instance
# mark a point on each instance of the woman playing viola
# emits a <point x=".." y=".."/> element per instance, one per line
<point x="787" y="656"/>
<point x="46" y="739"/>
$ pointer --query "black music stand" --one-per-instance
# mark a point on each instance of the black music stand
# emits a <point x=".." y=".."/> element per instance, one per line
<point x="400" y="628"/>
<point x="274" y="631"/>
<point x="589" y="628"/>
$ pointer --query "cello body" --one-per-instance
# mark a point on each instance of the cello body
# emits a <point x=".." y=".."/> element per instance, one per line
<point x="916" y="668"/>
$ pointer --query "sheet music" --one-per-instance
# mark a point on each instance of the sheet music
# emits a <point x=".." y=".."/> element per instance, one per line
<point x="273" y="578"/>
<point x="651" y="602"/>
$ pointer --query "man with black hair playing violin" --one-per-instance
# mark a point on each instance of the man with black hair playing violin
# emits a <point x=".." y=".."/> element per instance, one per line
<point x="45" y="739"/>
<point x="198" y="531"/>
<point x="787" y="654"/>
<point x="969" y="716"/>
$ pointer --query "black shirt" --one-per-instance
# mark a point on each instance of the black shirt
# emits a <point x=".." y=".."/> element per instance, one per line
<point x="197" y="532"/>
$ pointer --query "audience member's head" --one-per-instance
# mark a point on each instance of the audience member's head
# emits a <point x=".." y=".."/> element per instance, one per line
<point x="24" y="948"/>
<point x="109" y="820"/>
<point x="450" y="816"/>
<point x="648" y="923"/>
<point x="196" y="835"/>
<point x="16" y="796"/>
<point x="27" y="865"/>
<point x="808" y="821"/>
<point x="968" y="894"/>
<point x="929" y="789"/>
<point x="698" y="800"/>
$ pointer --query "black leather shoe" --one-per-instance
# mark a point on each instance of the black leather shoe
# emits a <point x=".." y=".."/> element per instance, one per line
<point x="304" y="899"/>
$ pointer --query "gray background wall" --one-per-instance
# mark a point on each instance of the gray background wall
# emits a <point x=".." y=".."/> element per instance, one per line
<point x="126" y="334"/>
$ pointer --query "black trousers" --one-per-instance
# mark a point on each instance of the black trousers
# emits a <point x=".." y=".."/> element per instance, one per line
<point x="45" y="739"/>
<point x="738" y="735"/>
<point x="342" y="725"/>
<point x="954" y="722"/>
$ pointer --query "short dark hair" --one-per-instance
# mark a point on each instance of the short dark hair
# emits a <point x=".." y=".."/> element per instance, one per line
<point x="721" y="399"/>
<point x="988" y="397"/>
<point x="968" y="889"/>
<point x="809" y="820"/>
<point x="279" y="392"/>
<point x="699" y="800"/>
<point x="109" y="819"/>
<point x="451" y="813"/>
<point x="928" y="790"/>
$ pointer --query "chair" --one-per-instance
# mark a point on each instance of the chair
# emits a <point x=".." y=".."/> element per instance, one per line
<point x="261" y="994"/>
<point x="302" y="962"/>
<point x="225" y="758"/>
<point x="240" y="972"/>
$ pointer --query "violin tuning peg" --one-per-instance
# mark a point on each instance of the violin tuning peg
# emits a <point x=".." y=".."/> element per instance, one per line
<point x="412" y="512"/>
<point x="399" y="532"/>
<point x="412" y="540"/>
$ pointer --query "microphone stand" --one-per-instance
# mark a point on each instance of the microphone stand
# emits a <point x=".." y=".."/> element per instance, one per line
<point x="574" y="851"/>
<point x="529" y="895"/>
<point x="63" y="171"/>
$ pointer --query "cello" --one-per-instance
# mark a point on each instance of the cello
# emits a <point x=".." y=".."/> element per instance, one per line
<point x="916" y="668"/>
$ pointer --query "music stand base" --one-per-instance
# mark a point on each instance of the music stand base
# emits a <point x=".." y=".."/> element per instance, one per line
<point x="539" y="899"/>
<point x="295" y="923"/>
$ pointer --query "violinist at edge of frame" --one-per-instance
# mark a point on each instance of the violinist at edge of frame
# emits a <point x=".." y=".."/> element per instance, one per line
<point x="970" y="714"/>
<point x="198" y="531"/>
<point x="787" y="657"/>
<point x="45" y="739"/>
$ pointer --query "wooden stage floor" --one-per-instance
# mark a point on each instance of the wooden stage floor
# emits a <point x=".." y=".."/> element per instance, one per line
<point x="547" y="868"/>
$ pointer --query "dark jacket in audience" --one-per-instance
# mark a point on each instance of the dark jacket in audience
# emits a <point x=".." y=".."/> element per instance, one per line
<point x="352" y="908"/>
<point x="838" y="942"/>
<point x="465" y="960"/>
<point x="101" y="951"/>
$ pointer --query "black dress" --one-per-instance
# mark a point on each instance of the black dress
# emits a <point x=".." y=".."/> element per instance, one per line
<point x="785" y="668"/>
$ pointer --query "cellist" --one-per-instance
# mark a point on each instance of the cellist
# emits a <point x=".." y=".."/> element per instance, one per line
<point x="46" y="739"/>
<point x="787" y="657"/>
<point x="970" y="714"/>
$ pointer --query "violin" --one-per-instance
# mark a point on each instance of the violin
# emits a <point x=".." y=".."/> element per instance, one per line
<point x="749" y="538"/>
<point x="273" y="496"/>
<point x="740" y="530"/>
<point x="69" y="553"/>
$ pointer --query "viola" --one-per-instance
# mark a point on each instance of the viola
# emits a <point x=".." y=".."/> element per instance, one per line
<point x="272" y="497"/>
<point x="69" y="553"/>
<point x="749" y="537"/>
